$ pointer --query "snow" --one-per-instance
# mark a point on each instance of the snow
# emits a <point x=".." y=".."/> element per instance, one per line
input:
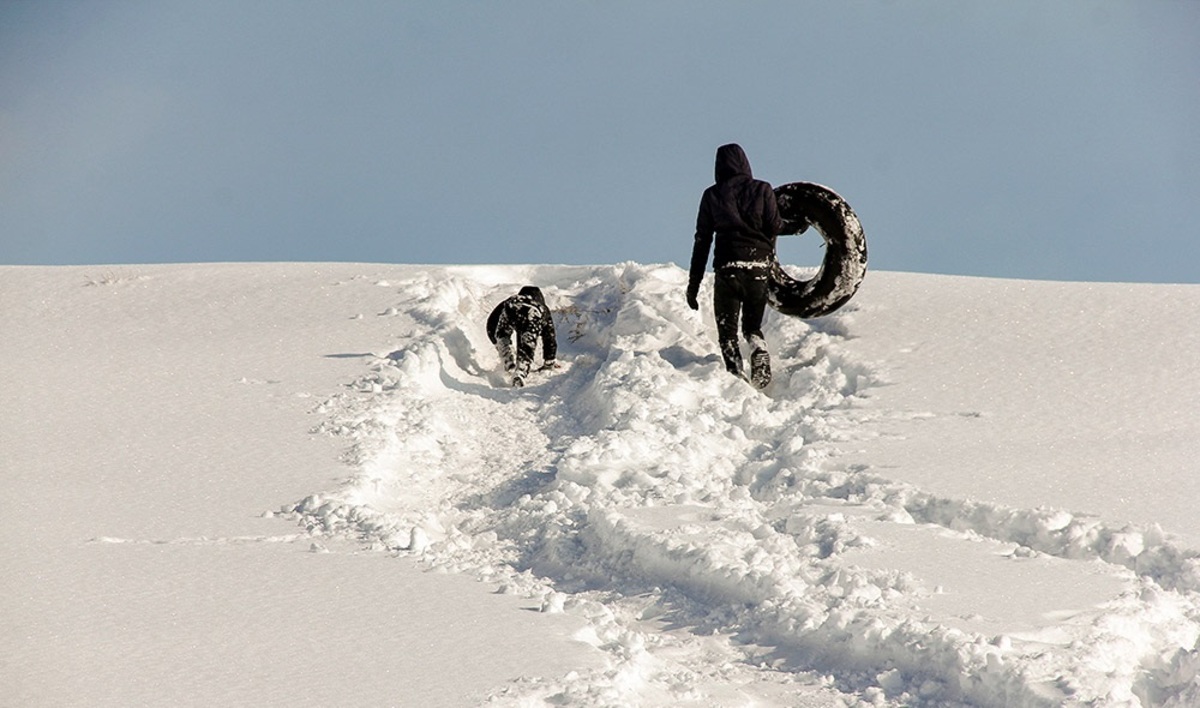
<point x="306" y="484"/>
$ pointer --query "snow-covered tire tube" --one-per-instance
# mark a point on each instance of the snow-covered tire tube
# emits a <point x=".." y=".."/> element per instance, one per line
<point x="845" y="261"/>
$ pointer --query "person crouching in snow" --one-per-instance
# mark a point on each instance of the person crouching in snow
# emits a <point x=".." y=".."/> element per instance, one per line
<point x="523" y="317"/>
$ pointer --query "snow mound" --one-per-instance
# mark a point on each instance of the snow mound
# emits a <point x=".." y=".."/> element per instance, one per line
<point x="644" y="490"/>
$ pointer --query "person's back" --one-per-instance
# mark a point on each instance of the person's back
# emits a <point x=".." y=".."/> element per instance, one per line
<point x="740" y="210"/>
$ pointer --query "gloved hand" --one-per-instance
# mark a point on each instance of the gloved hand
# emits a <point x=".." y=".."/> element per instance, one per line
<point x="692" y="302"/>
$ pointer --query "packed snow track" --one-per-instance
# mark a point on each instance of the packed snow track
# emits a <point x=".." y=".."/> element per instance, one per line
<point x="687" y="516"/>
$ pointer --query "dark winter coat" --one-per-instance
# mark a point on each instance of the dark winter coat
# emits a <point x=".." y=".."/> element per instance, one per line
<point x="741" y="212"/>
<point x="525" y="312"/>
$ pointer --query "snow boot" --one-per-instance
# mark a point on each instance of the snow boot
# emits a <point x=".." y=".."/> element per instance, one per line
<point x="732" y="354"/>
<point x="518" y="382"/>
<point x="760" y="368"/>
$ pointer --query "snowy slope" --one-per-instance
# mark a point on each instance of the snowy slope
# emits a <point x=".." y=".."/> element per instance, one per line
<point x="956" y="491"/>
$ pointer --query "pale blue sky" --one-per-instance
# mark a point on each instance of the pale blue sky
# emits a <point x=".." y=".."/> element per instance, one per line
<point x="1022" y="139"/>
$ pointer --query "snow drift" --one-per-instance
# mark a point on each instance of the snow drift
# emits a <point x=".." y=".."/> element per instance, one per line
<point x="821" y="542"/>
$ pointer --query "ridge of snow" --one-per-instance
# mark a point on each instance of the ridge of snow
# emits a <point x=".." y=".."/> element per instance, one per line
<point x="641" y="484"/>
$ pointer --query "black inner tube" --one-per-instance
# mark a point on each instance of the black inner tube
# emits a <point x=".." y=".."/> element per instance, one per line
<point x="845" y="262"/>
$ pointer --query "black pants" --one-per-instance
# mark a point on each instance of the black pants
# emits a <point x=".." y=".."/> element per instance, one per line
<point x="516" y="360"/>
<point x="740" y="293"/>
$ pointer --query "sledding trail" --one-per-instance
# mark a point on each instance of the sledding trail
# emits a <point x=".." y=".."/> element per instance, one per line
<point x="688" y="516"/>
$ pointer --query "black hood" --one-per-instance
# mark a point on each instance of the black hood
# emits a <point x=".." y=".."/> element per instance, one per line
<point x="731" y="162"/>
<point x="532" y="291"/>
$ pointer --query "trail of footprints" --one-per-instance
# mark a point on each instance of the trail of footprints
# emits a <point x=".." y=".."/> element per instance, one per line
<point x="641" y="470"/>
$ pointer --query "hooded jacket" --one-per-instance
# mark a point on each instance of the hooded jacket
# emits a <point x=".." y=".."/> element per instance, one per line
<point x="740" y="211"/>
<point x="525" y="312"/>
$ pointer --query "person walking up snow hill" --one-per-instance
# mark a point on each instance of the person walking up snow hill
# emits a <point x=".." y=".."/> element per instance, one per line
<point x="515" y="325"/>
<point x="742" y="213"/>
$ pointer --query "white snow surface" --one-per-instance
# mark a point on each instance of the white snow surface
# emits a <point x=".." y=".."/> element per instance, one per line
<point x="307" y="484"/>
